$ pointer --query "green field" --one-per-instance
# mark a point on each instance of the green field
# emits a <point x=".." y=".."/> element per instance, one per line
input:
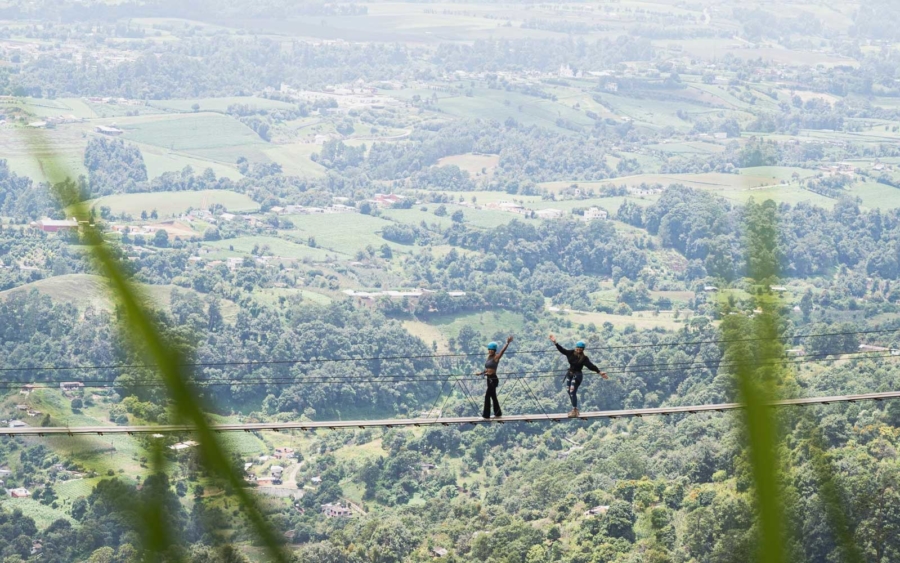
<point x="361" y="452"/>
<point x="472" y="163"/>
<point x="792" y="194"/>
<point x="875" y="195"/>
<point x="42" y="154"/>
<point x="295" y="158"/>
<point x="42" y="107"/>
<point x="87" y="290"/>
<point x="642" y="321"/>
<point x="159" y="160"/>
<point x="759" y="183"/>
<point x="687" y="147"/>
<point x="220" y="104"/>
<point x="207" y="135"/>
<point x="271" y="296"/>
<point x="43" y="515"/>
<point x="441" y="329"/>
<point x="342" y="233"/>
<point x="484" y="197"/>
<point x="484" y="218"/>
<point x="277" y="247"/>
<point x="528" y="110"/>
<point x="648" y="112"/>
<point x="610" y="204"/>
<point x="415" y="216"/>
<point x="173" y="204"/>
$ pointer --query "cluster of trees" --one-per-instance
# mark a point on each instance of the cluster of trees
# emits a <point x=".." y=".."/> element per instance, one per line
<point x="335" y="154"/>
<point x="20" y="196"/>
<point x="114" y="166"/>
<point x="812" y="240"/>
<point x="222" y="65"/>
<point x="36" y="331"/>
<point x="491" y="55"/>
<point x="526" y="153"/>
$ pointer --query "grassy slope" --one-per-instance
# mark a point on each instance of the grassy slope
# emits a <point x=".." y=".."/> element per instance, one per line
<point x="205" y="135"/>
<point x="277" y="247"/>
<point x="85" y="290"/>
<point x="342" y="233"/>
<point x="171" y="204"/>
<point x="444" y="327"/>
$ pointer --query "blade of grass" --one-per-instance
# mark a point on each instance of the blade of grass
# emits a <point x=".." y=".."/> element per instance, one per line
<point x="759" y="381"/>
<point x="146" y="336"/>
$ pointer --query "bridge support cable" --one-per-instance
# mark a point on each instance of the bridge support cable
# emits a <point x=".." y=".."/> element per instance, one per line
<point x="443" y="406"/>
<point x="464" y="385"/>
<point x="438" y="398"/>
<point x="391" y="423"/>
<point x="536" y="400"/>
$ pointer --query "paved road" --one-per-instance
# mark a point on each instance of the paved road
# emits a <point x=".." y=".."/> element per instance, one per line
<point x="390" y="423"/>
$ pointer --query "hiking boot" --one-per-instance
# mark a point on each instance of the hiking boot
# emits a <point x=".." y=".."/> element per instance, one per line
<point x="577" y="413"/>
<point x="573" y="413"/>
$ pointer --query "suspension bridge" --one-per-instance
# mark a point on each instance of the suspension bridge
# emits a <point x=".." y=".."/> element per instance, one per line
<point x="435" y="421"/>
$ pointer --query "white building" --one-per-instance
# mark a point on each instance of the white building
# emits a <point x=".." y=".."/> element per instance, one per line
<point x="597" y="510"/>
<point x="595" y="213"/>
<point x="507" y="206"/>
<point x="336" y="510"/>
<point x="549" y="213"/>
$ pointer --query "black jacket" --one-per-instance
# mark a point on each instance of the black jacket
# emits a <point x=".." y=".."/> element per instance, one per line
<point x="577" y="363"/>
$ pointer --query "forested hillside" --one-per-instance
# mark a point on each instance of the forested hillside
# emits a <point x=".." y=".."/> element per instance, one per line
<point x="328" y="210"/>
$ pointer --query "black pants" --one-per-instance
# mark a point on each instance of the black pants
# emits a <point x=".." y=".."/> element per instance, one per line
<point x="491" y="396"/>
<point x="573" y="382"/>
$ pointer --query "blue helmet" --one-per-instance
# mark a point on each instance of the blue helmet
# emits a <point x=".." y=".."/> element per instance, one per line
<point x="579" y="344"/>
<point x="492" y="346"/>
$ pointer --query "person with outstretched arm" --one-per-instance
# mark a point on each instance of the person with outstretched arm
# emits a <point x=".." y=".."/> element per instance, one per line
<point x="577" y="362"/>
<point x="490" y="372"/>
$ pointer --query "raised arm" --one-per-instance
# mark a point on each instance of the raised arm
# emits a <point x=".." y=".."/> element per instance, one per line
<point x="505" y="346"/>
<point x="562" y="350"/>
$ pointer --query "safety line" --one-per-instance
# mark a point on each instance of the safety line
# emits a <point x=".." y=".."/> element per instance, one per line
<point x="384" y="358"/>
<point x="634" y="369"/>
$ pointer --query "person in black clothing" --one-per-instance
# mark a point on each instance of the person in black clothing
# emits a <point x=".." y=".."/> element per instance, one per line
<point x="577" y="361"/>
<point x="490" y="371"/>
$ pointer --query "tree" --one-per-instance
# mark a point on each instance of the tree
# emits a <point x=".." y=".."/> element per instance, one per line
<point x="161" y="238"/>
<point x="79" y="508"/>
<point x="195" y="107"/>
<point x="104" y="554"/>
<point x="214" y="314"/>
<point x="457" y="216"/>
<point x="619" y="520"/>
<point x="806" y="305"/>
<point x="441" y="211"/>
